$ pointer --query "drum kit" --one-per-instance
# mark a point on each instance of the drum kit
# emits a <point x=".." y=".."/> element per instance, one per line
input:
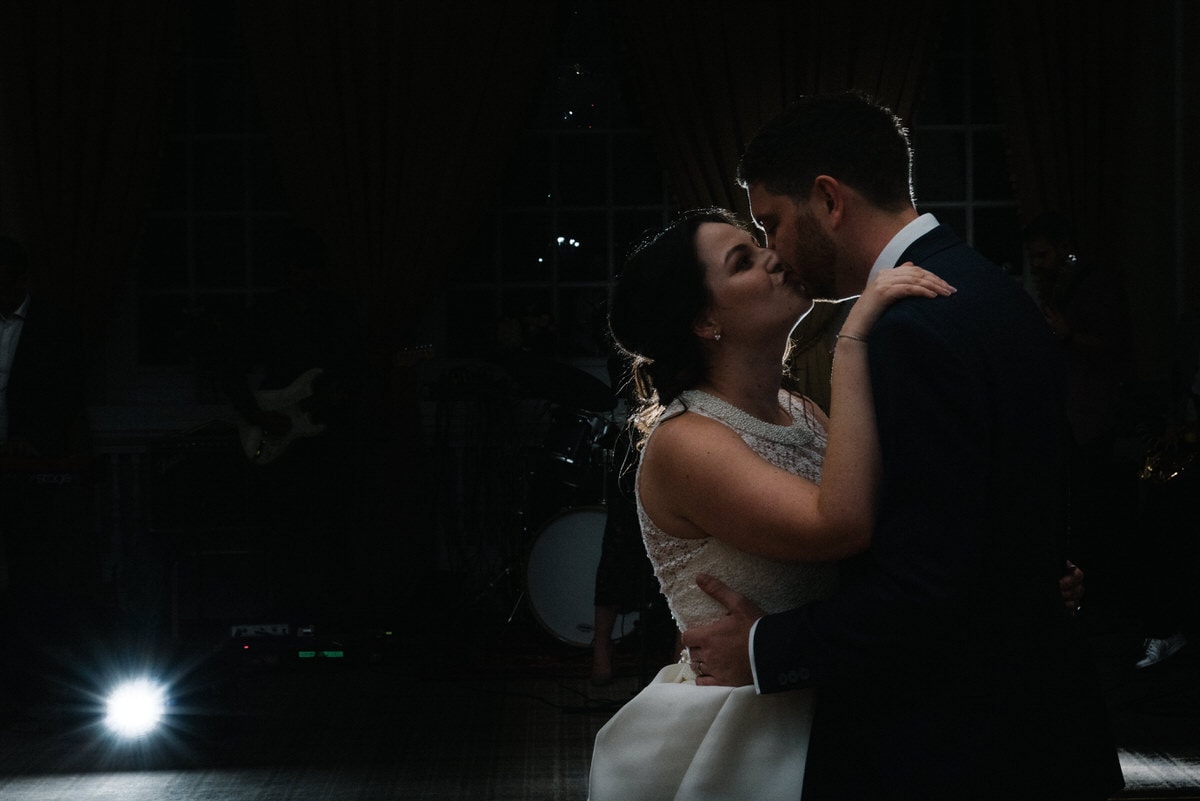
<point x="560" y="570"/>
<point x="565" y="504"/>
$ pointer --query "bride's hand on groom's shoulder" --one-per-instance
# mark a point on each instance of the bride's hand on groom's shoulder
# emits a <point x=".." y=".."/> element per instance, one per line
<point x="888" y="286"/>
<point x="719" y="651"/>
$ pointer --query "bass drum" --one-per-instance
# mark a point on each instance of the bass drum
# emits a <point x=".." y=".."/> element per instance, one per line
<point x="560" y="576"/>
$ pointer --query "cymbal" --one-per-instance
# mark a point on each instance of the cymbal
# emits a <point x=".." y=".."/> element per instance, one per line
<point x="561" y="383"/>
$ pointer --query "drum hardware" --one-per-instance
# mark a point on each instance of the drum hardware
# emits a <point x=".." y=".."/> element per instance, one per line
<point x="554" y="540"/>
<point x="560" y="570"/>
<point x="573" y="445"/>
<point x="505" y="573"/>
<point x="560" y="576"/>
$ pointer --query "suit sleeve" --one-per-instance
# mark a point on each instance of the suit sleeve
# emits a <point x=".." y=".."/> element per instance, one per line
<point x="918" y="578"/>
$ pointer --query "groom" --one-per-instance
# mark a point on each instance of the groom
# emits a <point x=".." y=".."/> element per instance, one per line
<point x="946" y="664"/>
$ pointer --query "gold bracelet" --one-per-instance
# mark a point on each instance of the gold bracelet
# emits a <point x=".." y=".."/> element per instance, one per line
<point x="850" y="336"/>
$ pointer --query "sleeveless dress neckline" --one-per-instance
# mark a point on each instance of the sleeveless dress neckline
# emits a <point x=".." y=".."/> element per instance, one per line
<point x="798" y="433"/>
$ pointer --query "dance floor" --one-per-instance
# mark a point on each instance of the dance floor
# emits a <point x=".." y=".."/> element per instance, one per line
<point x="506" y="713"/>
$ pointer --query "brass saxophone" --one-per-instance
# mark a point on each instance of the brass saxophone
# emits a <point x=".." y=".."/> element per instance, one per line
<point x="1171" y="457"/>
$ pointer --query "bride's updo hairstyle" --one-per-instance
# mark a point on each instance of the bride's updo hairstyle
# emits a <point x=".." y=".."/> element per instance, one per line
<point x="658" y="297"/>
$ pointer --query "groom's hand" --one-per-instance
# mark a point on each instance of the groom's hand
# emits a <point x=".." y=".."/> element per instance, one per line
<point x="720" y="651"/>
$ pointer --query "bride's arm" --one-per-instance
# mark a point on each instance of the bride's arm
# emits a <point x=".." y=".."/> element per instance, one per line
<point x="851" y="470"/>
<point x="699" y="478"/>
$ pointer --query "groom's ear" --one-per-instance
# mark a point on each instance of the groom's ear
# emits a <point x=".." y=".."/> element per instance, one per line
<point x="829" y="194"/>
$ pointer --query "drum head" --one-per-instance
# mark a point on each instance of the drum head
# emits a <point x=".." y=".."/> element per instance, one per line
<point x="561" y="576"/>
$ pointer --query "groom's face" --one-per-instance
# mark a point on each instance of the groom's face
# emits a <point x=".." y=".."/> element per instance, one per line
<point x="793" y="231"/>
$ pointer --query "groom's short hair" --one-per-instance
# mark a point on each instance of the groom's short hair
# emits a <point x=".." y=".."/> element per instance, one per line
<point x="848" y="136"/>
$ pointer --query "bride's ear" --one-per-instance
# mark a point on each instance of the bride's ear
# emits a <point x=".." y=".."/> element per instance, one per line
<point x="706" y="328"/>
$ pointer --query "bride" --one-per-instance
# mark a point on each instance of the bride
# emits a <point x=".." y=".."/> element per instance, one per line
<point x="728" y="485"/>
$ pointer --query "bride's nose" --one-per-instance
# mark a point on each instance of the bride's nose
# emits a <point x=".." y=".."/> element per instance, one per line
<point x="772" y="264"/>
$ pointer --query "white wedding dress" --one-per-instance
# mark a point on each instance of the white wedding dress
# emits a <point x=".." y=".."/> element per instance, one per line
<point x="675" y="740"/>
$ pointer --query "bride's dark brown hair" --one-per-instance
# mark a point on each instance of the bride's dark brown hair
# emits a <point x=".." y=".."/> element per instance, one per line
<point x="659" y="295"/>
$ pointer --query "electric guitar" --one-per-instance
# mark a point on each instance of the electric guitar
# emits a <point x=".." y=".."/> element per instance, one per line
<point x="294" y="401"/>
<point x="298" y="401"/>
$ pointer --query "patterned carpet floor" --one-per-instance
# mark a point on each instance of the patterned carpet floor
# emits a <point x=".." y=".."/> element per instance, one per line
<point x="504" y="714"/>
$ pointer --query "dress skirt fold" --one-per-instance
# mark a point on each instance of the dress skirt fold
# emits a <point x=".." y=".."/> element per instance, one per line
<point x="677" y="741"/>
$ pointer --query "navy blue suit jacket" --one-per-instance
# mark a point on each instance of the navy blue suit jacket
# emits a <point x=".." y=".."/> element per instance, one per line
<point x="946" y="665"/>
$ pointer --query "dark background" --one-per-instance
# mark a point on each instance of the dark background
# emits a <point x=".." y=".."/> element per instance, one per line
<point x="477" y="171"/>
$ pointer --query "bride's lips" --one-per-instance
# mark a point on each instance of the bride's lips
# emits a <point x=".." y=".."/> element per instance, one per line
<point x="792" y="278"/>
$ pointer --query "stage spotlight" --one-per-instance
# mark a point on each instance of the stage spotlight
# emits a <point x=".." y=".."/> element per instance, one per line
<point x="134" y="708"/>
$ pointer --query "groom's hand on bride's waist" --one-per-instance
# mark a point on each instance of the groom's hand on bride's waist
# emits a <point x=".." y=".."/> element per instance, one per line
<point x="720" y="651"/>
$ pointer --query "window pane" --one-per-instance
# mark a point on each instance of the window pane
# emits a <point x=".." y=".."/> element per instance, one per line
<point x="938" y="173"/>
<point x="583" y="171"/>
<point x="526" y="242"/>
<point x="637" y="175"/>
<point x="582" y="244"/>
<point x="219" y="97"/>
<point x="267" y="238"/>
<point x="473" y="326"/>
<point x="160" y="329"/>
<point x="217" y="173"/>
<point x="528" y="182"/>
<point x="956" y="218"/>
<point x="171" y="191"/>
<point x="998" y="236"/>
<point x="601" y="189"/>
<point x="479" y="257"/>
<point x="583" y="327"/>
<point x="942" y="98"/>
<point x="622" y="105"/>
<point x="991" y="167"/>
<point x="629" y="229"/>
<point x="224" y="312"/>
<point x="587" y="30"/>
<point x="532" y="312"/>
<point x="162" y="259"/>
<point x="266" y="187"/>
<point x="220" y="252"/>
<point x="578" y="98"/>
<point x="983" y="94"/>
<point x="211" y="24"/>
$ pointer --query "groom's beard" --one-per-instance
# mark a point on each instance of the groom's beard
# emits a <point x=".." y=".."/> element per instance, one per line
<point x="815" y="259"/>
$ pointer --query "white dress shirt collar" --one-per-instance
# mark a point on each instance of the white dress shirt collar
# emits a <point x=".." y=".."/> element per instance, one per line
<point x="904" y="237"/>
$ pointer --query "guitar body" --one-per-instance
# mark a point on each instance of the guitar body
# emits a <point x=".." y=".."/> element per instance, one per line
<point x="263" y="448"/>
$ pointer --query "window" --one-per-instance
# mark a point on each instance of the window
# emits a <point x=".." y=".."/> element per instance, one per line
<point x="961" y="172"/>
<point x="583" y="186"/>
<point x="219" y="210"/>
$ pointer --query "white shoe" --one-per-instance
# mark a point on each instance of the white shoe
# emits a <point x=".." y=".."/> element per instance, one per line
<point x="1157" y="650"/>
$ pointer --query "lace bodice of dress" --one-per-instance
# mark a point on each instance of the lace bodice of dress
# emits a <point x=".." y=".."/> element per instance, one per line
<point x="773" y="586"/>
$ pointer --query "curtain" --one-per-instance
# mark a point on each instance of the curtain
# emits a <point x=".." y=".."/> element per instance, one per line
<point x="85" y="86"/>
<point x="708" y="74"/>
<point x="1086" y="100"/>
<point x="1067" y="79"/>
<point x="392" y="123"/>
